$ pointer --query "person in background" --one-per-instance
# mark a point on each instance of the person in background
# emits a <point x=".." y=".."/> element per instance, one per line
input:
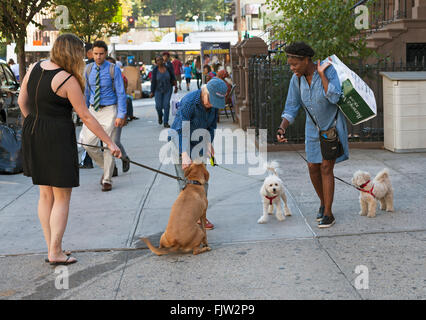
<point x="15" y="68"/>
<point x="162" y="88"/>
<point x="188" y="76"/>
<point x="224" y="75"/>
<point x="196" y="70"/>
<point x="169" y="65"/>
<point x="106" y="100"/>
<point x="177" y="68"/>
<point x="118" y="62"/>
<point x="206" y="70"/>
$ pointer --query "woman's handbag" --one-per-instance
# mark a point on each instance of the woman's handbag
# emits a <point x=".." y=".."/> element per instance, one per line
<point x="331" y="147"/>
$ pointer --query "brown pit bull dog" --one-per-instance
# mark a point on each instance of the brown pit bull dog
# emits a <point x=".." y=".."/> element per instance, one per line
<point x="183" y="233"/>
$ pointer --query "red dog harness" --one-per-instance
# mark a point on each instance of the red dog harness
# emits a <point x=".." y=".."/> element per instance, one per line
<point x="361" y="188"/>
<point x="270" y="199"/>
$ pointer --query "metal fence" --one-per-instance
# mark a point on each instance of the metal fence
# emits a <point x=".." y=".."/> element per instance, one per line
<point x="269" y="82"/>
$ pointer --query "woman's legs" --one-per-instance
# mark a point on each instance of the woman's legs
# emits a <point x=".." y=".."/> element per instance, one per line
<point x="166" y="105"/>
<point x="322" y="178"/>
<point x="158" y="106"/>
<point x="58" y="222"/>
<point x="45" y="205"/>
<point x="327" y="176"/>
<point x="316" y="179"/>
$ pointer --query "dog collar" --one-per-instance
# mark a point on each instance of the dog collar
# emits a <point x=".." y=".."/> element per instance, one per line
<point x="192" y="182"/>
<point x="270" y="199"/>
<point x="365" y="184"/>
<point x="361" y="188"/>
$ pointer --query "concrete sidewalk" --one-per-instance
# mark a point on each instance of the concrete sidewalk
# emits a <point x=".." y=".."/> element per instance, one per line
<point x="292" y="259"/>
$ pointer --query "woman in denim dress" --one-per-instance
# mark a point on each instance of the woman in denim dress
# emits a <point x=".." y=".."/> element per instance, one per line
<point x="319" y="91"/>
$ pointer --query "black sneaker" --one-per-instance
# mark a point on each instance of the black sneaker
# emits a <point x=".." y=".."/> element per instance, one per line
<point x="160" y="120"/>
<point x="166" y="125"/>
<point x="115" y="172"/>
<point x="327" y="222"/>
<point x="320" y="213"/>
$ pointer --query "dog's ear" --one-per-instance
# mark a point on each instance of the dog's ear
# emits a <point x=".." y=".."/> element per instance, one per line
<point x="187" y="171"/>
<point x="263" y="189"/>
<point x="206" y="174"/>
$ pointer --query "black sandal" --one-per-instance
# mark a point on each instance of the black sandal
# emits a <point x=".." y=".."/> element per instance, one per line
<point x="66" y="253"/>
<point x="63" y="263"/>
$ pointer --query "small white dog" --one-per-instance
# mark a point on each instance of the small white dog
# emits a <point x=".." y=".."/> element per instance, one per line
<point x="378" y="189"/>
<point x="272" y="192"/>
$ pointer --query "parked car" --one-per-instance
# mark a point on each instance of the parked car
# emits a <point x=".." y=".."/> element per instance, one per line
<point x="10" y="114"/>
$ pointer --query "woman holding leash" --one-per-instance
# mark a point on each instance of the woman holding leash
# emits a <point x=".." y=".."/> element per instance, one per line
<point x="49" y="92"/>
<point x="316" y="88"/>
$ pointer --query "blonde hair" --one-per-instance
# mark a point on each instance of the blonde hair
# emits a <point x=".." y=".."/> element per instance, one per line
<point x="68" y="53"/>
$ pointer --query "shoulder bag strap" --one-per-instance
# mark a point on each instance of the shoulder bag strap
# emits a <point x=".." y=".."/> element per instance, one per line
<point x="306" y="109"/>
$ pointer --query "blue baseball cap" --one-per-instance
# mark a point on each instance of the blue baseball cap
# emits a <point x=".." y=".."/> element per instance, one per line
<point x="217" y="92"/>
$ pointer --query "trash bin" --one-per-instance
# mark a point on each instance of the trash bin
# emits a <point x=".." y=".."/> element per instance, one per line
<point x="404" y="111"/>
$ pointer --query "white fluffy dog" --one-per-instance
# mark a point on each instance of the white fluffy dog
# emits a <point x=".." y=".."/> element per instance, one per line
<point x="378" y="189"/>
<point x="272" y="192"/>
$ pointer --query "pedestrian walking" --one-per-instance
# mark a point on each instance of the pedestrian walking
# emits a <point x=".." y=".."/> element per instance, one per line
<point x="106" y="100"/>
<point x="177" y="68"/>
<point x="169" y="65"/>
<point x="316" y="88"/>
<point x="188" y="75"/>
<point x="49" y="92"/>
<point x="199" y="109"/>
<point x="196" y="70"/>
<point x="15" y="68"/>
<point x="162" y="87"/>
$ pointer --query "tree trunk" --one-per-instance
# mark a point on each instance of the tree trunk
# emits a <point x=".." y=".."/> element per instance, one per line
<point x="20" y="52"/>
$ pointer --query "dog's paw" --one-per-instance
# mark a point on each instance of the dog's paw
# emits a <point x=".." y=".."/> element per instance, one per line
<point x="262" y="220"/>
<point x="361" y="213"/>
<point x="280" y="216"/>
<point x="371" y="215"/>
<point x="390" y="209"/>
<point x="287" y="212"/>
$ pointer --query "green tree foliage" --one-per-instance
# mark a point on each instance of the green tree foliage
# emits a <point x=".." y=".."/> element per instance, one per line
<point x="326" y="25"/>
<point x="15" y="16"/>
<point x="184" y="9"/>
<point x="93" y="19"/>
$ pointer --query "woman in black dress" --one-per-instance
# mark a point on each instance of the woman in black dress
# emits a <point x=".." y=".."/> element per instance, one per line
<point x="49" y="92"/>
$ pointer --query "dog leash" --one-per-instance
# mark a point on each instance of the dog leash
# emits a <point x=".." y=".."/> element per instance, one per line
<point x="214" y="164"/>
<point x="337" y="178"/>
<point x="141" y="165"/>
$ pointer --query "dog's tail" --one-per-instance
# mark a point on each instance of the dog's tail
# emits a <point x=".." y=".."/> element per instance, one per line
<point x="273" y="167"/>
<point x="383" y="175"/>
<point x="157" y="251"/>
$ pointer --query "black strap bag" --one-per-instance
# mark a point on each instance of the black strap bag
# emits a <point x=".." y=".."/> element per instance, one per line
<point x="331" y="147"/>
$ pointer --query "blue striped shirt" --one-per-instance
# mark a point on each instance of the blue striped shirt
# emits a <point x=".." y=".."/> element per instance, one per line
<point x="192" y="112"/>
<point x="108" y="96"/>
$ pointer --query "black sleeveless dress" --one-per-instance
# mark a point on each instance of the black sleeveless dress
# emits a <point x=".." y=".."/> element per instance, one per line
<point x="49" y="144"/>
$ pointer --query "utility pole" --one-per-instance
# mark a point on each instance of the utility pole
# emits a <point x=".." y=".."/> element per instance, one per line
<point x="239" y="19"/>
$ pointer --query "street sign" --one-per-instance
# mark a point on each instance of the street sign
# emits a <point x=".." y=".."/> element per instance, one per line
<point x="167" y="21"/>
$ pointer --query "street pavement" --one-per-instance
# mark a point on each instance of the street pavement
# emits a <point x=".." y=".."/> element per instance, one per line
<point x="358" y="258"/>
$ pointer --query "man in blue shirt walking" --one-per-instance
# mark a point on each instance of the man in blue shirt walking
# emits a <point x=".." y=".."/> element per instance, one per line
<point x="106" y="100"/>
<point x="197" y="110"/>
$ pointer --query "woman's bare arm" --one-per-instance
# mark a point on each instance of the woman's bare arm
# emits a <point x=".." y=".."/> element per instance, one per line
<point x="23" y="94"/>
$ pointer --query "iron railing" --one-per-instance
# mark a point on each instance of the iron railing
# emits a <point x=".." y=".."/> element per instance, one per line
<point x="269" y="82"/>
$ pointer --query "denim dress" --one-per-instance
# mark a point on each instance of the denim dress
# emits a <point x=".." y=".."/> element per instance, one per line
<point x="322" y="107"/>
